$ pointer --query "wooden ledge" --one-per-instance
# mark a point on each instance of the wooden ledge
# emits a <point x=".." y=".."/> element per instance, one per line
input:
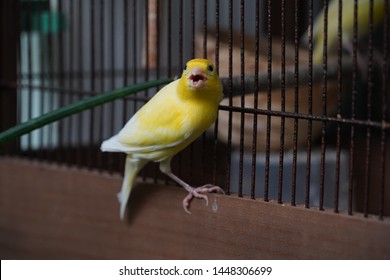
<point x="53" y="212"/>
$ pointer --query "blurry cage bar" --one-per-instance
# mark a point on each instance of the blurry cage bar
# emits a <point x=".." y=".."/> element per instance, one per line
<point x="304" y="119"/>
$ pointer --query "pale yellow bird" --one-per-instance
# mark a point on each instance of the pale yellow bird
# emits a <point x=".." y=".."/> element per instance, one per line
<point x="177" y="115"/>
<point x="363" y="20"/>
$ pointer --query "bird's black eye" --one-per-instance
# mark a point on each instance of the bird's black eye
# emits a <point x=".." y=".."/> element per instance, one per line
<point x="210" y="68"/>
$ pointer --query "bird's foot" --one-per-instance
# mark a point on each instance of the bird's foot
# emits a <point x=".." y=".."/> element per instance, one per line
<point x="200" y="192"/>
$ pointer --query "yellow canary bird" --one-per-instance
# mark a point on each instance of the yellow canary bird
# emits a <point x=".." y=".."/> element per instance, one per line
<point x="178" y="114"/>
<point x="363" y="20"/>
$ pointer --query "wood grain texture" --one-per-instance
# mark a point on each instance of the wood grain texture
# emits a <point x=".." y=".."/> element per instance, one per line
<point x="53" y="212"/>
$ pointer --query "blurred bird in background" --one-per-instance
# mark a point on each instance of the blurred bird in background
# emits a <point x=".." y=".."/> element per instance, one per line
<point x="363" y="58"/>
<point x="347" y="25"/>
<point x="177" y="115"/>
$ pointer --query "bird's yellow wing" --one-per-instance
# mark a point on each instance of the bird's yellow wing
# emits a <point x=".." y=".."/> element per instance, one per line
<point x="159" y="126"/>
<point x="160" y="122"/>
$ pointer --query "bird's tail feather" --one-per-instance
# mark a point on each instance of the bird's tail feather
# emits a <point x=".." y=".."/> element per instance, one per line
<point x="132" y="167"/>
<point x="112" y="145"/>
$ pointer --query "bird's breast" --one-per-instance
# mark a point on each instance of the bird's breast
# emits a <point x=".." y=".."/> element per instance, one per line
<point x="199" y="116"/>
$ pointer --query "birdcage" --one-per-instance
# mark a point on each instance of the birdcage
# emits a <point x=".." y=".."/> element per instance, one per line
<point x="300" y="146"/>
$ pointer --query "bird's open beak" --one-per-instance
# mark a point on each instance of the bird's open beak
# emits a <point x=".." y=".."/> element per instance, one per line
<point x="197" y="78"/>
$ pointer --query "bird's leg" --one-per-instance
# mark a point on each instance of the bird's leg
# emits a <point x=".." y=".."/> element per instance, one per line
<point x="199" y="192"/>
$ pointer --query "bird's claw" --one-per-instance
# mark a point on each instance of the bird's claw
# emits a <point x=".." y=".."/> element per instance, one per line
<point x="200" y="192"/>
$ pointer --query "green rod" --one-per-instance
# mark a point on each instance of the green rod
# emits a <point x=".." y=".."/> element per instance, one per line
<point x="74" y="108"/>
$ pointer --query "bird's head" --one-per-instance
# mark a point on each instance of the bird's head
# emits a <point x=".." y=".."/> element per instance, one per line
<point x="200" y="80"/>
<point x="200" y="74"/>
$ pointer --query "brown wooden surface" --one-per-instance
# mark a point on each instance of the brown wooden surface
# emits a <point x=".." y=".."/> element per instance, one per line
<point x="53" y="212"/>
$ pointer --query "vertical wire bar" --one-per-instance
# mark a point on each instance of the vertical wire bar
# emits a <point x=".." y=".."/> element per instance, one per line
<point x="296" y="104"/>
<point x="169" y="39"/>
<point x="19" y="78"/>
<point x="100" y="110"/>
<point x="61" y="78"/>
<point x="385" y="69"/>
<point x="112" y="41"/>
<point x="324" y="109"/>
<point x="230" y="87"/>
<point x="147" y="61"/>
<point x="256" y="100"/>
<point x="369" y="96"/>
<point x="353" y="109"/>
<point x="56" y="70"/>
<point x="169" y="48"/>
<point x="192" y="28"/>
<point x="146" y="43"/>
<point x="283" y="100"/>
<point x="310" y="107"/>
<point x="92" y="83"/>
<point x="181" y="64"/>
<point x="51" y="93"/>
<point x="42" y="78"/>
<point x="147" y="58"/>
<point x="134" y="48"/>
<point x="339" y="102"/>
<point x="269" y="96"/>
<point x="242" y="81"/>
<point x="191" y="165"/>
<point x="49" y="147"/>
<point x="205" y="29"/>
<point x="80" y="122"/>
<point x="157" y="46"/>
<point x="36" y="11"/>
<point x="64" y="96"/>
<point x="29" y="73"/>
<point x="71" y="77"/>
<point x="203" y="159"/>
<point x="181" y="56"/>
<point x="135" y="41"/>
<point x="112" y="109"/>
<point x="157" y="64"/>
<point x="126" y="52"/>
<point x="217" y="33"/>
<point x="126" y="63"/>
<point x="215" y="146"/>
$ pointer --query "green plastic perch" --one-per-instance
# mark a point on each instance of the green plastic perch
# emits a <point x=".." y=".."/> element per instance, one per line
<point x="74" y="108"/>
